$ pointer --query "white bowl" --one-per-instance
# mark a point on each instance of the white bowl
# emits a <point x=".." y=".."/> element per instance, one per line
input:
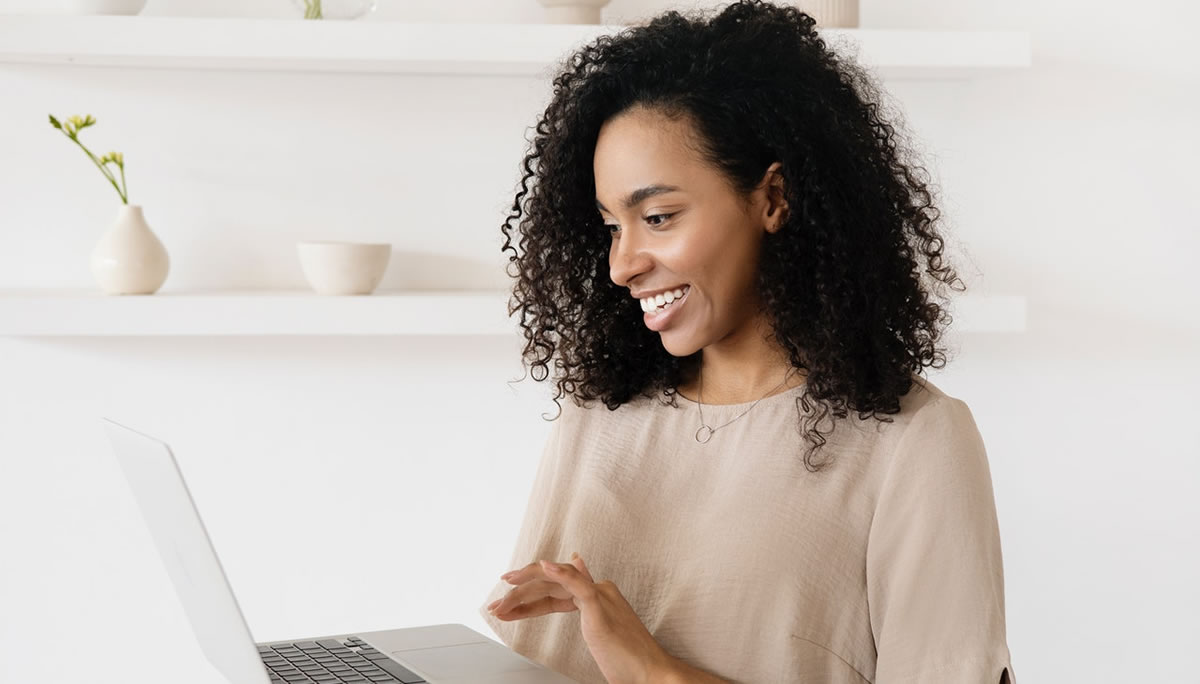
<point x="105" y="6"/>
<point x="343" y="268"/>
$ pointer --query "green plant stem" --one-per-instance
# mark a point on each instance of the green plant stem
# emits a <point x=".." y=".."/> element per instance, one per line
<point x="109" y="176"/>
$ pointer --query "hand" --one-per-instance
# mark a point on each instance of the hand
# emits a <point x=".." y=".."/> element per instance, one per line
<point x="621" y="645"/>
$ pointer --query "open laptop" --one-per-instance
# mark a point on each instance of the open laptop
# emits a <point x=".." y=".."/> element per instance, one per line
<point x="438" y="654"/>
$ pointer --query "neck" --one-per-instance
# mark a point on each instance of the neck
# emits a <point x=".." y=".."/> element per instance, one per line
<point x="739" y="371"/>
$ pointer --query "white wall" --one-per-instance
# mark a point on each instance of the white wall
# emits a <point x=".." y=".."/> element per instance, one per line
<point x="1070" y="183"/>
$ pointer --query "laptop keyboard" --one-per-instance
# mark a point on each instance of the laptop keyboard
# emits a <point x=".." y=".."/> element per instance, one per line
<point x="329" y="661"/>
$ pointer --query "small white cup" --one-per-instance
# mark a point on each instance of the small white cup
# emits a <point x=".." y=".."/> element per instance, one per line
<point x="343" y="268"/>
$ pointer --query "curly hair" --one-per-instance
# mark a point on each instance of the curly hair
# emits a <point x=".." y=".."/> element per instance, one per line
<point x="840" y="281"/>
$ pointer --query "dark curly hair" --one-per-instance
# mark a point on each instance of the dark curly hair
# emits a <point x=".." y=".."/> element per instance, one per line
<point x="840" y="281"/>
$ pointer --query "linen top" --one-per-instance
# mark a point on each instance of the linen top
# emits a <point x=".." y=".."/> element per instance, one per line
<point x="883" y="567"/>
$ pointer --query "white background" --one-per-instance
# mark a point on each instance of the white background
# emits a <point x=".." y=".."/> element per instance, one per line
<point x="360" y="484"/>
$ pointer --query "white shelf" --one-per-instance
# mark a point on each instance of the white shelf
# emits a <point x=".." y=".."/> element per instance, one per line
<point x="261" y="312"/>
<point x="58" y="313"/>
<point x="428" y="48"/>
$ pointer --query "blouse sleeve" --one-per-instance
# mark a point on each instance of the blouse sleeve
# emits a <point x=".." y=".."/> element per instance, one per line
<point x="935" y="578"/>
<point x="538" y="523"/>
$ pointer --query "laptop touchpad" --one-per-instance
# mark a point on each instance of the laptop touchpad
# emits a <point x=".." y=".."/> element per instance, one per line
<point x="464" y="660"/>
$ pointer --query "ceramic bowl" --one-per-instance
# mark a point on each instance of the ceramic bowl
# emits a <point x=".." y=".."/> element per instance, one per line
<point x="343" y="268"/>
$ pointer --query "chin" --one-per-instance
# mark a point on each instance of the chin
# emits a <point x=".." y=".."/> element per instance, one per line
<point x="676" y="346"/>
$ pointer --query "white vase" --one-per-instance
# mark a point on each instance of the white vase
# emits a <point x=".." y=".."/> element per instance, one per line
<point x="130" y="259"/>
<point x="339" y="9"/>
<point x="573" y="11"/>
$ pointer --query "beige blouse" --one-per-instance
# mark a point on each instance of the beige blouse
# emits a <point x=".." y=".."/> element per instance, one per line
<point x="884" y="567"/>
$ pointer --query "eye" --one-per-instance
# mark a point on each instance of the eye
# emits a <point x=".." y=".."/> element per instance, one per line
<point x="612" y="226"/>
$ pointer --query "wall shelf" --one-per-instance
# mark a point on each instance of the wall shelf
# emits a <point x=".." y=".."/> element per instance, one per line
<point x="78" y="313"/>
<point x="241" y="44"/>
<point x="427" y="48"/>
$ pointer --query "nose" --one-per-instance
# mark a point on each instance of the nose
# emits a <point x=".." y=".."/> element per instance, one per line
<point x="627" y="258"/>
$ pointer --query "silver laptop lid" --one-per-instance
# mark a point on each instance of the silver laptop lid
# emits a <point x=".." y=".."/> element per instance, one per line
<point x="188" y="554"/>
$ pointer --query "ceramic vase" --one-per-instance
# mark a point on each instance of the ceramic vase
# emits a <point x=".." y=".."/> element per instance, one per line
<point x="129" y="258"/>
<point x="335" y="9"/>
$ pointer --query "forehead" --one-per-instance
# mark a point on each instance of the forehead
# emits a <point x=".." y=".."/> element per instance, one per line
<point x="641" y="148"/>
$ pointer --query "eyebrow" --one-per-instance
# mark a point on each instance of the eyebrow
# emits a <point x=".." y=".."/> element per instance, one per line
<point x="641" y="194"/>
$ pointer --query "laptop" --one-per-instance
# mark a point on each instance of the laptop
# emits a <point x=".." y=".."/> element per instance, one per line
<point x="438" y="654"/>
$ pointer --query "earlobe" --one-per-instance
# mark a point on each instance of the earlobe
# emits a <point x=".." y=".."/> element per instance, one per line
<point x="776" y="225"/>
<point x="775" y="189"/>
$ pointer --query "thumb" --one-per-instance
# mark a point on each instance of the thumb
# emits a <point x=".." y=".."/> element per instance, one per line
<point x="577" y="561"/>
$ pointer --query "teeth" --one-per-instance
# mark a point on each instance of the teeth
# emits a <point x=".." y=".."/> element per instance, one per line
<point x="660" y="303"/>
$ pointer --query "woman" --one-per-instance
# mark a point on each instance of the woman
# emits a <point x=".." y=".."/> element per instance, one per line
<point x="724" y="246"/>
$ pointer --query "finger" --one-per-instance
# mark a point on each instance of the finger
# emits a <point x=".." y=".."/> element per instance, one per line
<point x="572" y="580"/>
<point x="542" y="606"/>
<point x="525" y="593"/>
<point x="577" y="561"/>
<point x="521" y="574"/>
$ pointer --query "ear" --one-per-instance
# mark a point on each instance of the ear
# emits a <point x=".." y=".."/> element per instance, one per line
<point x="775" y="206"/>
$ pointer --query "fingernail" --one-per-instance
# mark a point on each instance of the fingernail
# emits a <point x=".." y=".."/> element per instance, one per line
<point x="548" y="566"/>
<point x="508" y="574"/>
<point x="495" y="603"/>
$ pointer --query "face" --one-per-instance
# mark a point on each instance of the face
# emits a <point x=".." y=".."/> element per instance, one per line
<point x="676" y="223"/>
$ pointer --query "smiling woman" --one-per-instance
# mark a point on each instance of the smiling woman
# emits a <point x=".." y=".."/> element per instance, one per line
<point x="715" y="211"/>
<point x="757" y="172"/>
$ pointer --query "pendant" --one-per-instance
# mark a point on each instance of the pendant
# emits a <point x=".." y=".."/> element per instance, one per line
<point x="707" y="435"/>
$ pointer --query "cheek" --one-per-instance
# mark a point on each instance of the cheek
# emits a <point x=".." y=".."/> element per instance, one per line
<point x="725" y="285"/>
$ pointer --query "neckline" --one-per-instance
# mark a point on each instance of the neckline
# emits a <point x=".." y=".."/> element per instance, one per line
<point x="765" y="400"/>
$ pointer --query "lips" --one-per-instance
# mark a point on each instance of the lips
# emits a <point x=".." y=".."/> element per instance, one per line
<point x="660" y="321"/>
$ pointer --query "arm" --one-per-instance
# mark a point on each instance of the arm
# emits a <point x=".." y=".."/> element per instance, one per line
<point x="675" y="671"/>
<point x="935" y="580"/>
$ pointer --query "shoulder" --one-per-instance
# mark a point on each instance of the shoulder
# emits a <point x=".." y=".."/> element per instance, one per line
<point x="931" y="409"/>
<point x="924" y="392"/>
<point x="923" y="404"/>
<point x="938" y="439"/>
<point x="927" y="407"/>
